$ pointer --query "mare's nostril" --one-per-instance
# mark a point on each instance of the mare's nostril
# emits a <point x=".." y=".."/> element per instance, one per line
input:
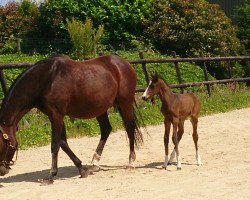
<point x="144" y="98"/>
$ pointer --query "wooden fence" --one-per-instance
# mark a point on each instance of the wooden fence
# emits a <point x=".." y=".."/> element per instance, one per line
<point x="176" y="61"/>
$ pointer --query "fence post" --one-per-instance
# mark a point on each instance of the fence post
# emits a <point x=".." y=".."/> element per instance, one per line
<point x="144" y="67"/>
<point x="206" y="78"/>
<point x="177" y="69"/>
<point x="3" y="82"/>
<point x="18" y="45"/>
<point x="248" y="67"/>
<point x="229" y="69"/>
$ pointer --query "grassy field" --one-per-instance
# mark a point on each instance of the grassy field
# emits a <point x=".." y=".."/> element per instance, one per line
<point x="35" y="130"/>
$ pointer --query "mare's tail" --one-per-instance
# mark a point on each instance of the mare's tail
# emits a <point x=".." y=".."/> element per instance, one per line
<point x="137" y="123"/>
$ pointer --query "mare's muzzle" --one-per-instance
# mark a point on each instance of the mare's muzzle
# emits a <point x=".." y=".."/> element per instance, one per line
<point x="4" y="169"/>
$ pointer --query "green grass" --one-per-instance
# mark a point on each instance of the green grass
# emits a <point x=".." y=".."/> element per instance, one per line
<point x="35" y="129"/>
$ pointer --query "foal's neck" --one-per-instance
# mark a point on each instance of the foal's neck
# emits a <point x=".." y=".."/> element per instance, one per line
<point x="166" y="94"/>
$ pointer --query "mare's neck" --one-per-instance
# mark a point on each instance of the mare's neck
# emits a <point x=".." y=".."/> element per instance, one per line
<point x="14" y="109"/>
<point x="166" y="95"/>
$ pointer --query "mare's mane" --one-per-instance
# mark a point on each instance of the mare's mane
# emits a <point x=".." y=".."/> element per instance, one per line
<point x="19" y="77"/>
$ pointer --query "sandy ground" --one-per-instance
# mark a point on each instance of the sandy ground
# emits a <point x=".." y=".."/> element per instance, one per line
<point x="224" y="141"/>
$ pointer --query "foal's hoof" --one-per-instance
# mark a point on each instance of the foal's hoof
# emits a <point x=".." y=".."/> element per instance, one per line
<point x="178" y="168"/>
<point x="46" y="181"/>
<point x="130" y="167"/>
<point x="94" y="168"/>
<point x="1" y="186"/>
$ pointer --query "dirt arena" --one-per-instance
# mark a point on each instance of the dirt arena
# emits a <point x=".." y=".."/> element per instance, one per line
<point x="224" y="141"/>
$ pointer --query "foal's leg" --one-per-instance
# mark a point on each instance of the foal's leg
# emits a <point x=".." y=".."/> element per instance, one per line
<point x="179" y="134"/>
<point x="176" y="141"/>
<point x="167" y="124"/>
<point x="194" y="121"/>
<point x="105" y="128"/>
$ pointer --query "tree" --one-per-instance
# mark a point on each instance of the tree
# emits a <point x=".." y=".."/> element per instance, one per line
<point x="191" y="28"/>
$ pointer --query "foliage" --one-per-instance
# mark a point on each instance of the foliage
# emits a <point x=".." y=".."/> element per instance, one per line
<point x="242" y="17"/>
<point x="15" y="23"/>
<point x="121" y="18"/>
<point x="191" y="28"/>
<point x="84" y="38"/>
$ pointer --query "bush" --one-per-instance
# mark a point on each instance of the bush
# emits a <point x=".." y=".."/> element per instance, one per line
<point x="191" y="28"/>
<point x="84" y="38"/>
<point x="16" y="21"/>
<point x="242" y="17"/>
<point x="121" y="18"/>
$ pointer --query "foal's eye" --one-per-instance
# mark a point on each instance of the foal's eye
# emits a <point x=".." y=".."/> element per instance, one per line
<point x="151" y="86"/>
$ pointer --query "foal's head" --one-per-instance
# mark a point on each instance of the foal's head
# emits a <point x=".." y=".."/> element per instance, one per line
<point x="152" y="89"/>
<point x="8" y="147"/>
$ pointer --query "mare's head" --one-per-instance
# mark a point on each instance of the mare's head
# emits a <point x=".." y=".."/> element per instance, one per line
<point x="152" y="89"/>
<point x="8" y="147"/>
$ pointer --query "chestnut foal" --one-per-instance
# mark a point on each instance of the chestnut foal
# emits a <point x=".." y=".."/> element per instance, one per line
<point x="175" y="108"/>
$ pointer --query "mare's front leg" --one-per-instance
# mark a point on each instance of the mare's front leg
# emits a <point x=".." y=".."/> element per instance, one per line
<point x="105" y="128"/>
<point x="176" y="141"/>
<point x="83" y="171"/>
<point x="57" y="125"/>
<point x="167" y="124"/>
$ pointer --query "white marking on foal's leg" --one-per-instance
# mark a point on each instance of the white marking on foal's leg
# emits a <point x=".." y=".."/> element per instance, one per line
<point x="96" y="159"/>
<point x="172" y="156"/>
<point x="178" y="158"/>
<point x="165" y="164"/>
<point x="198" y="159"/>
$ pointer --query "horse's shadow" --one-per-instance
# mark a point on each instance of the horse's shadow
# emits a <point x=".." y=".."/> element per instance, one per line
<point x="71" y="171"/>
<point x="63" y="173"/>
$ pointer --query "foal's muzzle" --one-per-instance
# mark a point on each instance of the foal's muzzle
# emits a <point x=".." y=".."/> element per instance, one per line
<point x="144" y="98"/>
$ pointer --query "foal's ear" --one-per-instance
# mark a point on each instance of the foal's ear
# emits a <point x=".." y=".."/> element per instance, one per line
<point x="155" y="78"/>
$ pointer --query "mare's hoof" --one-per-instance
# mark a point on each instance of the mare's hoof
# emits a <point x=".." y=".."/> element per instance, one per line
<point x="46" y="181"/>
<point x="84" y="173"/>
<point x="164" y="167"/>
<point x="94" y="168"/>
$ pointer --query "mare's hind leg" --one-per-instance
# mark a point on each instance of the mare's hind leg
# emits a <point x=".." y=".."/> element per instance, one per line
<point x="194" y="121"/>
<point x="167" y="124"/>
<point x="105" y="128"/>
<point x="179" y="135"/>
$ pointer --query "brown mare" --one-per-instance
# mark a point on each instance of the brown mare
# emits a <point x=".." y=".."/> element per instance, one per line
<point x="175" y="108"/>
<point x="59" y="86"/>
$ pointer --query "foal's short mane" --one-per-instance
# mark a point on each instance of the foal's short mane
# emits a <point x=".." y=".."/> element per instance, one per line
<point x="156" y="77"/>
